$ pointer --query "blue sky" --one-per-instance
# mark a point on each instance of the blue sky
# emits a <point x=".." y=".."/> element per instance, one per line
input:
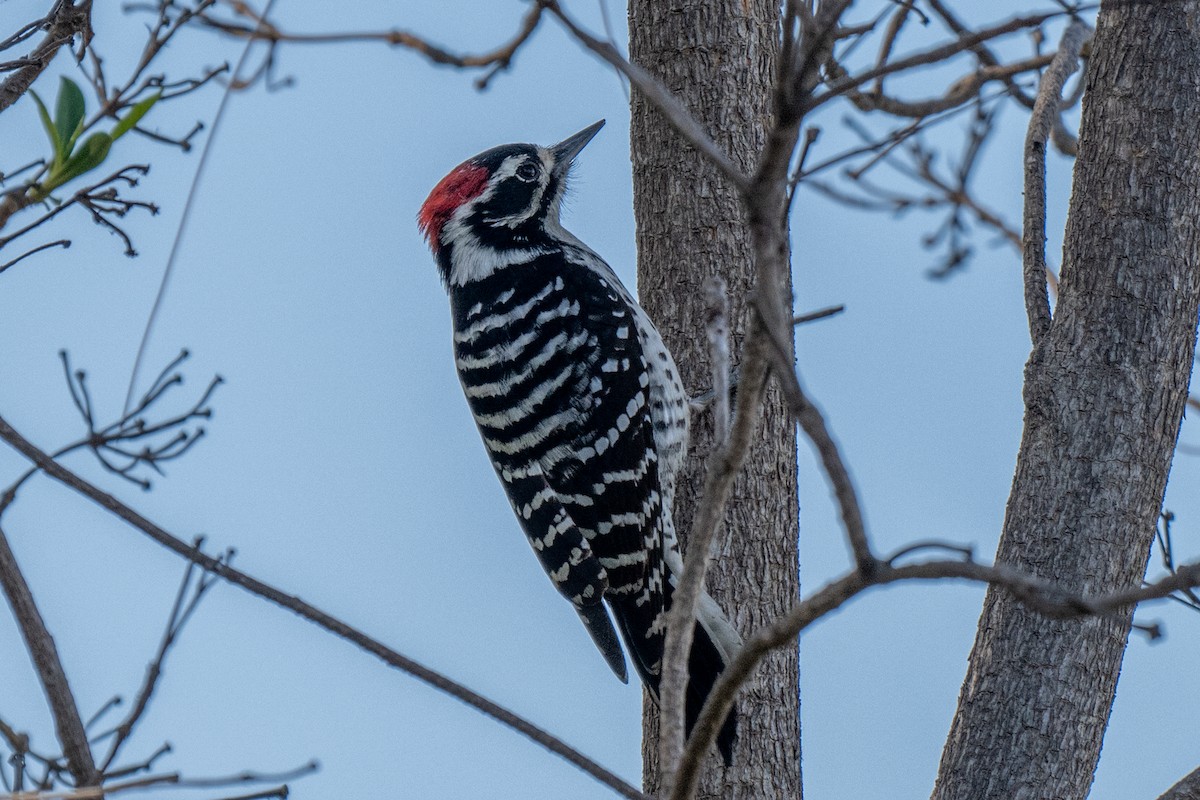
<point x="343" y="466"/>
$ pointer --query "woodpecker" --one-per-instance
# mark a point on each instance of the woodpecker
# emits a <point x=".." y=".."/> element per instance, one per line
<point x="578" y="401"/>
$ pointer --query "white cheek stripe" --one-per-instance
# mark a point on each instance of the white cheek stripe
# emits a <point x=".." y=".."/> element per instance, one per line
<point x="470" y="260"/>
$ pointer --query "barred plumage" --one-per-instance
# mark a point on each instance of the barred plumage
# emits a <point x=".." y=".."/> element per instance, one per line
<point x="578" y="402"/>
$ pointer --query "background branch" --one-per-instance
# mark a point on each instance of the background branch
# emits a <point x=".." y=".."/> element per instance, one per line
<point x="186" y="601"/>
<point x="66" y="21"/>
<point x="67" y="722"/>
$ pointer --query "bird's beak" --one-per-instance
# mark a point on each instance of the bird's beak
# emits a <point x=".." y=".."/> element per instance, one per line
<point x="565" y="151"/>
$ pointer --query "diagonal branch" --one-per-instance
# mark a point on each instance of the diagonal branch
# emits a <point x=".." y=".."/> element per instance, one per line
<point x="1188" y="788"/>
<point x="315" y="615"/>
<point x="813" y="424"/>
<point x="67" y="722"/>
<point x="661" y="97"/>
<point x="186" y="600"/>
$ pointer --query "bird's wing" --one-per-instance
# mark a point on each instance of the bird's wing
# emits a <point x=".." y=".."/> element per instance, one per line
<point x="566" y="556"/>
<point x="555" y="374"/>
<point x="608" y="481"/>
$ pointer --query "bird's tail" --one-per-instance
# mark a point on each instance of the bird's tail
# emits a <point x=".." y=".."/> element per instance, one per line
<point x="713" y="646"/>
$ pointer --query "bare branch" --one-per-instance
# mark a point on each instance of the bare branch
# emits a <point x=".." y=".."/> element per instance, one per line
<point x="985" y="55"/>
<point x="72" y="735"/>
<point x="966" y="41"/>
<point x="108" y="706"/>
<point x="1045" y="109"/>
<point x="252" y="777"/>
<point x="186" y="215"/>
<point x="63" y="243"/>
<point x="100" y="199"/>
<point x="814" y="427"/>
<point x="186" y="600"/>
<point x="960" y="92"/>
<point x="145" y="765"/>
<point x="161" y="31"/>
<point x="678" y="779"/>
<point x="895" y="25"/>
<point x="1188" y="788"/>
<point x="280" y="792"/>
<point x="681" y="618"/>
<point x="315" y="615"/>
<point x="113" y="444"/>
<point x="813" y="316"/>
<point x="1042" y="596"/>
<point x="68" y="20"/>
<point x="496" y="60"/>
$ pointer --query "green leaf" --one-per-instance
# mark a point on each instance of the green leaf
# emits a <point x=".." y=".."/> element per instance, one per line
<point x="90" y="155"/>
<point x="135" y="114"/>
<point x="51" y="131"/>
<point x="68" y="115"/>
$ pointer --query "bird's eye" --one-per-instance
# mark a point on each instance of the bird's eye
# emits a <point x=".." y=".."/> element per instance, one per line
<point x="527" y="172"/>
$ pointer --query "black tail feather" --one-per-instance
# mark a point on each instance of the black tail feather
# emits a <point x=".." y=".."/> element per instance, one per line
<point x="704" y="667"/>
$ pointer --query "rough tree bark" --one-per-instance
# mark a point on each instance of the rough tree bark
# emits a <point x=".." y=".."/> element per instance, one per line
<point x="1104" y="396"/>
<point x="719" y="59"/>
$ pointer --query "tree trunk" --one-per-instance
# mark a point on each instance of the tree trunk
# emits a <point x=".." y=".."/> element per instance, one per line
<point x="1104" y="396"/>
<point x="718" y="57"/>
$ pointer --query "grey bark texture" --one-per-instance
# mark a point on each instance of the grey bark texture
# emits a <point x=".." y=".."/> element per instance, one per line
<point x="1188" y="788"/>
<point x="719" y="59"/>
<point x="1104" y="396"/>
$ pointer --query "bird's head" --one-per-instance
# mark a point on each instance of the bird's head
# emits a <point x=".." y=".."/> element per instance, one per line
<point x="502" y="199"/>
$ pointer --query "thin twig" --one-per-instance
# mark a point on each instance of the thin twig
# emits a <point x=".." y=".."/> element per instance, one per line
<point x="280" y="792"/>
<point x="495" y="60"/>
<point x="63" y="243"/>
<point x="109" y="705"/>
<point x="186" y="600"/>
<point x="145" y="765"/>
<point x="813" y="316"/>
<point x="985" y="55"/>
<point x="252" y="777"/>
<point x="933" y="55"/>
<point x="184" y="217"/>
